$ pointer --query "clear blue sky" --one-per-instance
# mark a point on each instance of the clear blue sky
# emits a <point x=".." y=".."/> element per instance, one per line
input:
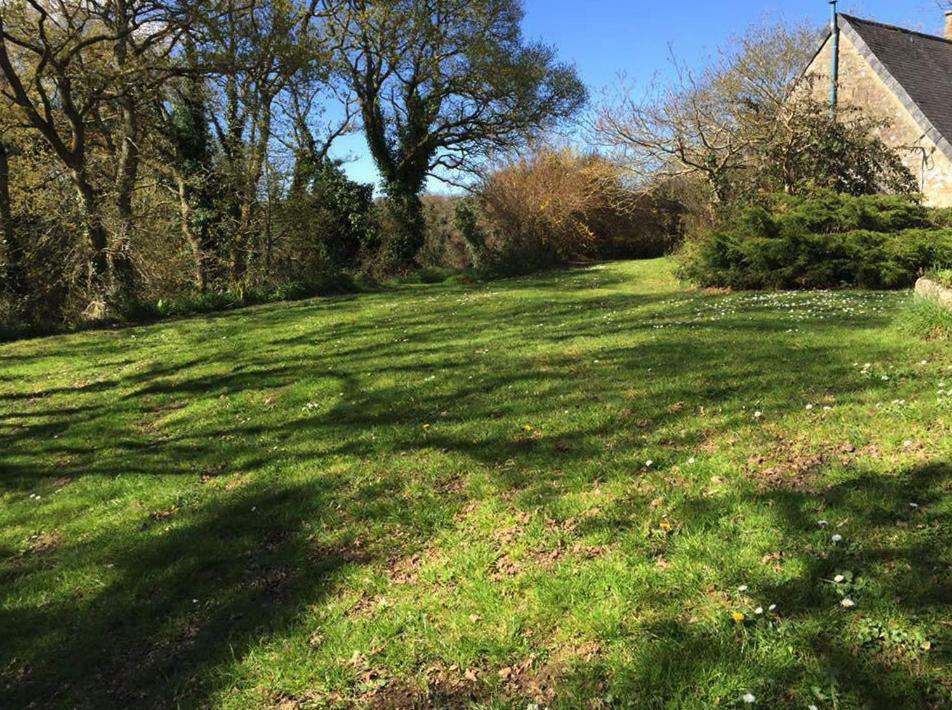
<point x="604" y="38"/>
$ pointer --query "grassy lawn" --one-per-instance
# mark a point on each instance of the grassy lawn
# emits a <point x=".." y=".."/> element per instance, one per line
<point x="585" y="489"/>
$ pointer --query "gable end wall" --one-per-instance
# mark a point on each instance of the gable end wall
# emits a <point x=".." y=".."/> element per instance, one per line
<point x="862" y="87"/>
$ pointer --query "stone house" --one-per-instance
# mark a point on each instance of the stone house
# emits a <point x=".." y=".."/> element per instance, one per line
<point x="903" y="78"/>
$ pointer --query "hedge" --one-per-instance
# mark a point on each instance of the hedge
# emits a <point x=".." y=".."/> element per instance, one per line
<point x="829" y="241"/>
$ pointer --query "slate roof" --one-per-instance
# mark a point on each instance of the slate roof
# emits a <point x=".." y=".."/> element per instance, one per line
<point x="917" y="67"/>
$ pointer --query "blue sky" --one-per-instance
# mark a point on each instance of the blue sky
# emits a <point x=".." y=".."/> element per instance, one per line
<point x="604" y="38"/>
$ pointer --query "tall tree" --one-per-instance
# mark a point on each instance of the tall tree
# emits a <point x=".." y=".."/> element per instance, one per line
<point x="14" y="280"/>
<point x="67" y="68"/>
<point x="190" y="160"/>
<point x="441" y="84"/>
<point x="257" y="48"/>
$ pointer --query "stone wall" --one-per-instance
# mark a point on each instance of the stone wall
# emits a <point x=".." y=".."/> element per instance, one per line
<point x="862" y="87"/>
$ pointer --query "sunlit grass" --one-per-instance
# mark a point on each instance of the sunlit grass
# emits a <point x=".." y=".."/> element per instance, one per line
<point x="588" y="488"/>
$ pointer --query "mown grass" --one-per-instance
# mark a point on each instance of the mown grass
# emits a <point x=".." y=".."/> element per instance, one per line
<point x="570" y="490"/>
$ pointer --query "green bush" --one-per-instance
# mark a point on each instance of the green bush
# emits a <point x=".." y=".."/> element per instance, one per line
<point x="827" y="241"/>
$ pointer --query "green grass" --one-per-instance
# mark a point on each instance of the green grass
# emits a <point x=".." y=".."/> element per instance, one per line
<point x="554" y="490"/>
<point x="922" y="318"/>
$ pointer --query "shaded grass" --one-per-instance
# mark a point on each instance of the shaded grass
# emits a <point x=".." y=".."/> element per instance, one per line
<point x="442" y="495"/>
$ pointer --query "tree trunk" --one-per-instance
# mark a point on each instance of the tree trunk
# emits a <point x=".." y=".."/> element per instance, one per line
<point x="408" y="236"/>
<point x="193" y="239"/>
<point x="254" y="168"/>
<point x="95" y="234"/>
<point x="14" y="278"/>
<point x="127" y="173"/>
<point x="240" y="244"/>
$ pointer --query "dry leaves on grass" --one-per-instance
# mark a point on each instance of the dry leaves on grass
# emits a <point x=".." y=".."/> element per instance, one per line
<point x="795" y="465"/>
<point x="44" y="543"/>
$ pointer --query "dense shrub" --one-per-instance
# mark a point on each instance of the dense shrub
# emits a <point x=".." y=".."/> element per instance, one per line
<point x="556" y="207"/>
<point x="829" y="241"/>
<point x="444" y="245"/>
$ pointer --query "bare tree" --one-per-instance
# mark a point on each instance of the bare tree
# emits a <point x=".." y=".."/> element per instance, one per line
<point x="707" y="124"/>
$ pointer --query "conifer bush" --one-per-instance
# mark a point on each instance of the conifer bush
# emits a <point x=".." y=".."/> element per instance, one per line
<point x="827" y="240"/>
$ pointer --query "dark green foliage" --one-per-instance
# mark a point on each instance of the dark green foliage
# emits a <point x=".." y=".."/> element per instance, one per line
<point x="408" y="228"/>
<point x="467" y="222"/>
<point x="345" y="209"/>
<point x="195" y="167"/>
<point x="819" y="151"/>
<point x="830" y="241"/>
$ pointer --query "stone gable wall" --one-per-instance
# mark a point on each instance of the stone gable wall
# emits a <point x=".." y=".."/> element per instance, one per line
<point x="860" y="86"/>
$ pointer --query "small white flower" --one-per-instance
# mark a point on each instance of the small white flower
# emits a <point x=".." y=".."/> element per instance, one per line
<point x="847" y="603"/>
<point x="758" y="414"/>
<point x="649" y="463"/>
<point x="772" y="607"/>
<point x="822" y="523"/>
<point x="914" y="506"/>
<point x="742" y="588"/>
<point x="691" y="460"/>
<point x="812" y="707"/>
<point x="809" y="407"/>
<point x="836" y="538"/>
<point x="759" y="610"/>
<point x="748" y="698"/>
<point x="838" y="578"/>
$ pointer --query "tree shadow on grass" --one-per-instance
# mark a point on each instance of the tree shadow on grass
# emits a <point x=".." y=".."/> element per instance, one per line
<point x="36" y="436"/>
<point x="902" y="561"/>
<point x="178" y="600"/>
<point x="141" y="639"/>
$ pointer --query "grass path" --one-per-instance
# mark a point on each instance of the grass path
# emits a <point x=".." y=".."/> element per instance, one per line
<point x="584" y="489"/>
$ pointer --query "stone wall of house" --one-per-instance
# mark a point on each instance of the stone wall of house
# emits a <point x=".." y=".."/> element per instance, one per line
<point x="860" y="86"/>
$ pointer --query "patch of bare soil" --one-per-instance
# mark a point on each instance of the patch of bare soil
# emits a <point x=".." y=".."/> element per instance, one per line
<point x="795" y="465"/>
